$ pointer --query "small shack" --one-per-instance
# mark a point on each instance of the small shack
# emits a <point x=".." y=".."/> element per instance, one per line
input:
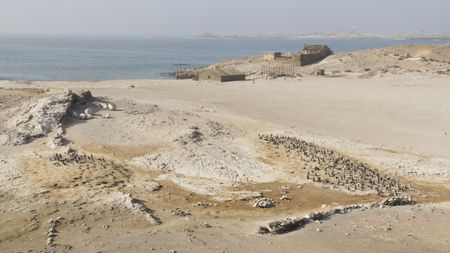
<point x="314" y="53"/>
<point x="220" y="75"/>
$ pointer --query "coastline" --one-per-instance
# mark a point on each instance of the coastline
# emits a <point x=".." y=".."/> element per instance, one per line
<point x="187" y="153"/>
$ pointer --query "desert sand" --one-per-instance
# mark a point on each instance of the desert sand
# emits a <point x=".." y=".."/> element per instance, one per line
<point x="184" y="166"/>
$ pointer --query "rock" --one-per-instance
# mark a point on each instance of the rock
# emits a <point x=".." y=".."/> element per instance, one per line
<point x="112" y="106"/>
<point x="138" y="207"/>
<point x="263" y="203"/>
<point x="203" y="204"/>
<point x="106" y="115"/>
<point x="320" y="72"/>
<point x="181" y="213"/>
<point x="284" y="197"/>
<point x="263" y="230"/>
<point x="205" y="225"/>
<point x="287" y="225"/>
<point x="56" y="141"/>
<point x="398" y="201"/>
<point x="82" y="116"/>
<point x="37" y="119"/>
<point x="89" y="112"/>
<point x="4" y="138"/>
<point x="50" y="240"/>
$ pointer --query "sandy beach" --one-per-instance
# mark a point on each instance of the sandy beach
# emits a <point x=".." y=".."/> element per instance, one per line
<point x="189" y="166"/>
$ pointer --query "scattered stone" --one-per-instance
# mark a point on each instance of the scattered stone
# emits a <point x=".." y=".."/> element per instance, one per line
<point x="52" y="231"/>
<point x="106" y="116"/>
<point x="288" y="225"/>
<point x="263" y="230"/>
<point x="139" y="207"/>
<point x="56" y="141"/>
<point x="89" y="112"/>
<point x="319" y="72"/>
<point x="284" y="197"/>
<point x="112" y="107"/>
<point x="181" y="213"/>
<point x="82" y="116"/>
<point x="203" y="204"/>
<point x="398" y="201"/>
<point x="285" y="188"/>
<point x="263" y="203"/>
<point x="205" y="225"/>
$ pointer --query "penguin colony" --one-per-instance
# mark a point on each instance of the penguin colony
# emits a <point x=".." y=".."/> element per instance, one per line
<point x="330" y="168"/>
<point x="73" y="157"/>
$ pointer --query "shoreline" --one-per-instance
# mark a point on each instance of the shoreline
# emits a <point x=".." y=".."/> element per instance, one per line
<point x="180" y="164"/>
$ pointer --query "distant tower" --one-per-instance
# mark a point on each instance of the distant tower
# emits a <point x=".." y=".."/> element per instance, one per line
<point x="355" y="27"/>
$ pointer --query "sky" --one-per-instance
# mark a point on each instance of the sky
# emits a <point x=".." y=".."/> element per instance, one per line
<point x="223" y="17"/>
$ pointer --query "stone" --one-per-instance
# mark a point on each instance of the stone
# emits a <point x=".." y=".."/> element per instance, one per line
<point x="263" y="203"/>
<point x="181" y="213"/>
<point x="89" y="112"/>
<point x="139" y="207"/>
<point x="56" y="141"/>
<point x="203" y="204"/>
<point x="398" y="201"/>
<point x="263" y="230"/>
<point x="82" y="116"/>
<point x="284" y="197"/>
<point x="112" y="106"/>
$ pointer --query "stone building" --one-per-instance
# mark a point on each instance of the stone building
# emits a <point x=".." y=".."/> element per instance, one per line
<point x="220" y="75"/>
<point x="272" y="56"/>
<point x="314" y="53"/>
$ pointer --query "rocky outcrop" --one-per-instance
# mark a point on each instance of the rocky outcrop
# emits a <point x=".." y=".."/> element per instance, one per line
<point x="291" y="224"/>
<point x="136" y="206"/>
<point x="263" y="203"/>
<point x="37" y="119"/>
<point x="52" y="231"/>
<point x="33" y="120"/>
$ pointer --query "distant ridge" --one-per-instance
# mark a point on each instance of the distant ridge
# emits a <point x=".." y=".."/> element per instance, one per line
<point x="337" y="35"/>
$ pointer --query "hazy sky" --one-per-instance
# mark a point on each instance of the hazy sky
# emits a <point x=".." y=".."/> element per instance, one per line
<point x="191" y="17"/>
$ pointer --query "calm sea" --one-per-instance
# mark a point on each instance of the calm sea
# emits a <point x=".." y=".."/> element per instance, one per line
<point x="70" y="58"/>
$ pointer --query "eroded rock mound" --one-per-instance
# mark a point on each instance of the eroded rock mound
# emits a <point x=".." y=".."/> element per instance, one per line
<point x="37" y="119"/>
<point x="291" y="224"/>
<point x="263" y="203"/>
<point x="135" y="205"/>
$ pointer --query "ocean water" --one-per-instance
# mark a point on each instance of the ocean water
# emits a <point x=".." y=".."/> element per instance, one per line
<point x="110" y="58"/>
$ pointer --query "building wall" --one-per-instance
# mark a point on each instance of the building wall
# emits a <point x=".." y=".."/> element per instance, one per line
<point x="232" y="78"/>
<point x="272" y="55"/>
<point x="212" y="76"/>
<point x="208" y="76"/>
<point x="306" y="59"/>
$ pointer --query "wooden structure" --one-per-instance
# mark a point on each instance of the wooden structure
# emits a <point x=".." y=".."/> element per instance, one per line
<point x="274" y="72"/>
<point x="220" y="75"/>
<point x="183" y="71"/>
